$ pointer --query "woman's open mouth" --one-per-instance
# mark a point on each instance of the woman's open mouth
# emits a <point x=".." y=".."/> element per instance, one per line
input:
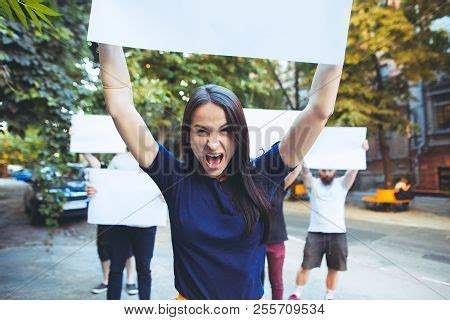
<point x="213" y="160"/>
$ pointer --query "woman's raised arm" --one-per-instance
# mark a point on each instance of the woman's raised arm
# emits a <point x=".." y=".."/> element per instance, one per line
<point x="308" y="125"/>
<point x="119" y="103"/>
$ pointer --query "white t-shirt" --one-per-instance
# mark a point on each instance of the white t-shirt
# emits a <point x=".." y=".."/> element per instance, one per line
<point x="124" y="161"/>
<point x="327" y="206"/>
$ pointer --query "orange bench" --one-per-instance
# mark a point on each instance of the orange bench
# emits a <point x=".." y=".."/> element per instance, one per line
<point x="385" y="199"/>
<point x="299" y="189"/>
<point x="298" y="192"/>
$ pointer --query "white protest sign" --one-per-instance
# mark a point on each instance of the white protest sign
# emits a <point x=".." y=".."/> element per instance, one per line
<point x="266" y="127"/>
<point x="95" y="134"/>
<point x="125" y="198"/>
<point x="293" y="30"/>
<point x="337" y="148"/>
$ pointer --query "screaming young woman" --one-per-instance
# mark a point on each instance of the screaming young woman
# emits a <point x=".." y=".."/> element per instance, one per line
<point x="219" y="200"/>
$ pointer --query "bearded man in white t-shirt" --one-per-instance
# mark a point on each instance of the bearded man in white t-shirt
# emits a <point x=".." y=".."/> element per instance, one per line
<point x="327" y="231"/>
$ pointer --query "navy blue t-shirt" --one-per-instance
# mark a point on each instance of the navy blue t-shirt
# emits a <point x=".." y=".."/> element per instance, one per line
<point x="214" y="258"/>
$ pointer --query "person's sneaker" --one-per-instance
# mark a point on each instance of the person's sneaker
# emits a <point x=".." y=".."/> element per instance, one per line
<point x="100" y="288"/>
<point x="293" y="297"/>
<point x="132" y="289"/>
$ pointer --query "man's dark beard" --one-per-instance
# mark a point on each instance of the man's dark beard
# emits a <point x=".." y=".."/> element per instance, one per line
<point x="327" y="180"/>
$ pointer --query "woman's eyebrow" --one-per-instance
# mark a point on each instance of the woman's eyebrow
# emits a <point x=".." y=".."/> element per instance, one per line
<point x="209" y="128"/>
<point x="199" y="126"/>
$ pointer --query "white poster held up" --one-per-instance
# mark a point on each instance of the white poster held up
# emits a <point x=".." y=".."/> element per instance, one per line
<point x="293" y="30"/>
<point x="265" y="127"/>
<point x="337" y="148"/>
<point x="95" y="134"/>
<point x="125" y="198"/>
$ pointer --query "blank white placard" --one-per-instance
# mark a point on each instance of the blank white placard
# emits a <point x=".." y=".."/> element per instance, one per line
<point x="337" y="148"/>
<point x="294" y="30"/>
<point x="95" y="134"/>
<point x="266" y="127"/>
<point x="125" y="198"/>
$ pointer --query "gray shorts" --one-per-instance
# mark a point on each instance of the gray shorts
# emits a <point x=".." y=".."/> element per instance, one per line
<point x="332" y="245"/>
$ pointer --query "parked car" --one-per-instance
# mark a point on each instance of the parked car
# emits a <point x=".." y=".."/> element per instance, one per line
<point x="73" y="188"/>
<point x="20" y="173"/>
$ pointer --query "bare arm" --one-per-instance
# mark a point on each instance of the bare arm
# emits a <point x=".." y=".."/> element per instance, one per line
<point x="349" y="178"/>
<point x="308" y="125"/>
<point x="92" y="160"/>
<point x="119" y="103"/>
<point x="306" y="177"/>
<point x="350" y="175"/>
<point x="290" y="178"/>
<point x="94" y="163"/>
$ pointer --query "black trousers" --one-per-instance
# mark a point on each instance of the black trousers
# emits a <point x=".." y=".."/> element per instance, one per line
<point x="142" y="242"/>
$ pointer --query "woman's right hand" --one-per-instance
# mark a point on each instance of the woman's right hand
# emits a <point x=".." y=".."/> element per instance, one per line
<point x="91" y="191"/>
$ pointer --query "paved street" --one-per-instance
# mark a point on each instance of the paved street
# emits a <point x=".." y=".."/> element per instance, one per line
<point x="392" y="255"/>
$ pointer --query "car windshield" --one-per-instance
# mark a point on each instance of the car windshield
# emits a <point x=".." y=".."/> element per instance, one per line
<point x="75" y="173"/>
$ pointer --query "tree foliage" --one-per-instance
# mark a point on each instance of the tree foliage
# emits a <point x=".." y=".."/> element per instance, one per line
<point x="38" y="78"/>
<point x="25" y="10"/>
<point x="388" y="49"/>
<point x="386" y="52"/>
<point x="18" y="150"/>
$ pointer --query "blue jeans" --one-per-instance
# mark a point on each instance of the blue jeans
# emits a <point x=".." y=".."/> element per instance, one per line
<point x="142" y="242"/>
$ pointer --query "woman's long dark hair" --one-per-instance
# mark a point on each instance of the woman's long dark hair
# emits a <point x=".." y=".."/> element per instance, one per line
<point x="246" y="193"/>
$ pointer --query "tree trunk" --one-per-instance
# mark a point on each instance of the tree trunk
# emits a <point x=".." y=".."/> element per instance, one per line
<point x="162" y="135"/>
<point x="385" y="158"/>
<point x="296" y="86"/>
<point x="384" y="147"/>
<point x="280" y="83"/>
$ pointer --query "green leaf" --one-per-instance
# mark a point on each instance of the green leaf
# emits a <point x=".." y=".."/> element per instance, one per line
<point x="33" y="1"/>
<point x="20" y="14"/>
<point x="7" y="9"/>
<point x="33" y="17"/>
<point x="44" y="9"/>
<point x="45" y="19"/>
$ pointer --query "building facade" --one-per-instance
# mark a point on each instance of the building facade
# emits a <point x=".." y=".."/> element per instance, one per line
<point x="422" y="154"/>
<point x="430" y="136"/>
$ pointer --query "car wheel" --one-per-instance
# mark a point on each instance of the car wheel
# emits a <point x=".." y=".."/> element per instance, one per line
<point x="31" y="204"/>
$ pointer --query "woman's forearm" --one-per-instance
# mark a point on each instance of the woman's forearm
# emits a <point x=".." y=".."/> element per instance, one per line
<point x="308" y="125"/>
<point x="114" y="69"/>
<point x="116" y="79"/>
<point x="324" y="89"/>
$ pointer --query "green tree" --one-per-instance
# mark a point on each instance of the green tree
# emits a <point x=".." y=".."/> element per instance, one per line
<point x="388" y="48"/>
<point x="390" y="45"/>
<point x="40" y="71"/>
<point x="15" y="149"/>
<point x="25" y="10"/>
